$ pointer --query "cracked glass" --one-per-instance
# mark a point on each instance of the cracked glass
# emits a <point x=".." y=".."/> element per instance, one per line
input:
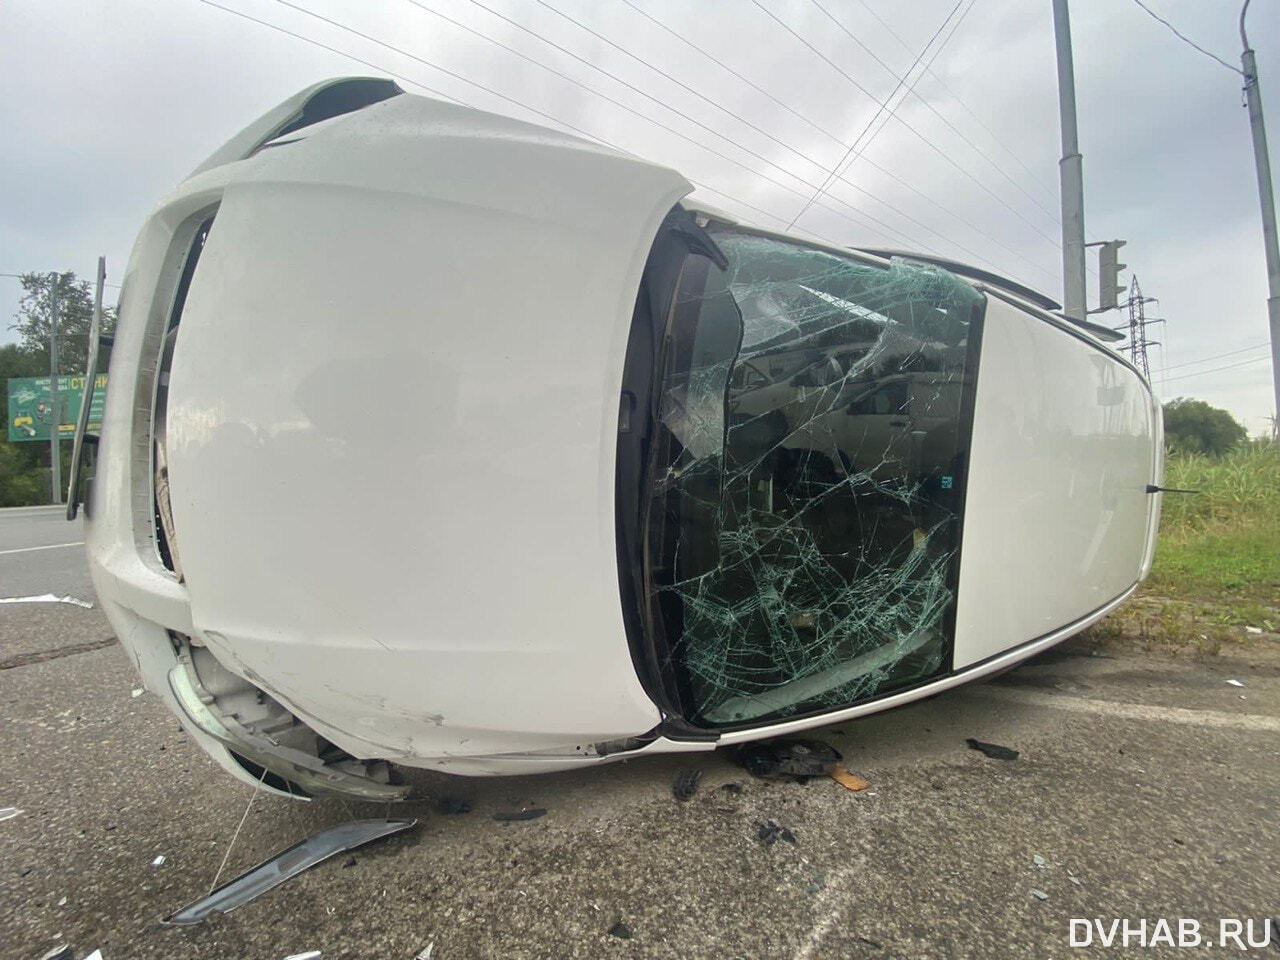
<point x="806" y="482"/>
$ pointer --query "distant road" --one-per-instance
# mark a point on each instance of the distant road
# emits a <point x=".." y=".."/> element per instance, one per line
<point x="40" y="552"/>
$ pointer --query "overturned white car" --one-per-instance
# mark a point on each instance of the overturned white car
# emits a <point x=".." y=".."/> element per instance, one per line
<point x="440" y="439"/>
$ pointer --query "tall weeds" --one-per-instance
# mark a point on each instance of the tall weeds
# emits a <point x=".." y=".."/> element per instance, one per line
<point x="1239" y="489"/>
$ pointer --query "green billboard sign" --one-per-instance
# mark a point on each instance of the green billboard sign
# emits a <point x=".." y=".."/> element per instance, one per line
<point x="31" y="411"/>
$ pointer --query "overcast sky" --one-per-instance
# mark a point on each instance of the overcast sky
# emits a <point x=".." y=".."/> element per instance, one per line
<point x="108" y="106"/>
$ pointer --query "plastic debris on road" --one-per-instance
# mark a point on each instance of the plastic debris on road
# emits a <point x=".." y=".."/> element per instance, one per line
<point x="685" y="784"/>
<point x="1252" y="629"/>
<point x="49" y="598"/>
<point x="61" y="952"/>
<point x="8" y="813"/>
<point x="426" y="952"/>
<point x="848" y="779"/>
<point x="307" y="955"/>
<point x="620" y="930"/>
<point x="1038" y="860"/>
<point x="1039" y="894"/>
<point x="789" y="759"/>
<point x="1235" y="683"/>
<point x="135" y="693"/>
<point x="96" y="955"/>
<point x="770" y="833"/>
<point x="158" y="861"/>
<point x="992" y="750"/>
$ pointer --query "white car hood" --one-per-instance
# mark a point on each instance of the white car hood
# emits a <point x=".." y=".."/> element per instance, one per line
<point x="391" y="428"/>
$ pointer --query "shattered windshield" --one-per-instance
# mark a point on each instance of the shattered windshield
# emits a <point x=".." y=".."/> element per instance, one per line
<point x="806" y="481"/>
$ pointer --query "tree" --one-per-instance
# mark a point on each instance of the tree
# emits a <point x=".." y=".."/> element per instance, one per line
<point x="19" y="479"/>
<point x="1193" y="426"/>
<point x="75" y="311"/>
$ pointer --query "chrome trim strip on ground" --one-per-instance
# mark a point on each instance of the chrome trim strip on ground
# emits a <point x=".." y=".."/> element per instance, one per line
<point x="283" y="866"/>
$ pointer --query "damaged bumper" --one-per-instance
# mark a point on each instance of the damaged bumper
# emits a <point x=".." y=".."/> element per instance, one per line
<point x="298" y="768"/>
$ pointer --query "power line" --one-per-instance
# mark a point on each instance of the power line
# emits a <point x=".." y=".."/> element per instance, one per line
<point x="618" y="103"/>
<point x="1186" y="39"/>
<point x="838" y="175"/>
<point x="1219" y="356"/>
<point x="752" y="153"/>
<point x="553" y="119"/>
<point x="324" y="46"/>
<point x="835" y="171"/>
<point x="435" y="66"/>
<point x="956" y="96"/>
<point x="853" y="211"/>
<point x="933" y="146"/>
<point x="720" y="63"/>
<point x="1050" y="190"/>
<point x="934" y="110"/>
<point x="616" y="79"/>
<point x="860" y="215"/>
<point x="662" y="73"/>
<point x="1228" y="366"/>
<point x="915" y="92"/>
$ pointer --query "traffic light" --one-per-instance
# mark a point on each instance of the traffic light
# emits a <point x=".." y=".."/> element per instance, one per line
<point x="1109" y="267"/>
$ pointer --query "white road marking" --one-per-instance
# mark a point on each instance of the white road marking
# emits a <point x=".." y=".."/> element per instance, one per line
<point x="833" y="904"/>
<point x="833" y="892"/>
<point x="52" y="546"/>
<point x="1253" y="722"/>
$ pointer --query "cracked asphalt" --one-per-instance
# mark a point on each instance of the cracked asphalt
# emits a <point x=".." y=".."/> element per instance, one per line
<point x="1144" y="789"/>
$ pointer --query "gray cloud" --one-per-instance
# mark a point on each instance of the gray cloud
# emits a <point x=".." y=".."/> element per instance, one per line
<point x="109" y="106"/>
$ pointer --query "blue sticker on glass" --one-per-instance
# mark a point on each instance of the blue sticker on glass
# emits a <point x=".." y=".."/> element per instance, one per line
<point x="946" y="483"/>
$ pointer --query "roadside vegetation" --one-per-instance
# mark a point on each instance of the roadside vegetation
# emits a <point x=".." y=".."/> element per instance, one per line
<point x="24" y="466"/>
<point x="1215" y="585"/>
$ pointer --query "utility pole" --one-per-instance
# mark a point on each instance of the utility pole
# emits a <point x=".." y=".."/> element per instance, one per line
<point x="1253" y="96"/>
<point x="1070" y="169"/>
<point x="55" y="460"/>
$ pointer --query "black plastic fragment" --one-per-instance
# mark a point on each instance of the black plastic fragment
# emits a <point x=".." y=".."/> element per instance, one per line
<point x="685" y="784"/>
<point x="790" y="758"/>
<point x="992" y="750"/>
<point x="525" y="813"/>
<point x="770" y="833"/>
<point x="621" y="930"/>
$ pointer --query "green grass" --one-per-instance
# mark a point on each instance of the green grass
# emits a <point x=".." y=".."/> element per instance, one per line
<point x="1217" y="564"/>
<point x="1222" y="543"/>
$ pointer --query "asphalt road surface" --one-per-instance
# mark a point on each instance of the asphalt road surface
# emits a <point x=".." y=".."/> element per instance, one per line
<point x="1143" y="790"/>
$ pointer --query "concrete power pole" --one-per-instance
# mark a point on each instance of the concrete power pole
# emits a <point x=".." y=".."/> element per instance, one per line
<point x="55" y="459"/>
<point x="1070" y="169"/>
<point x="1261" y="157"/>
